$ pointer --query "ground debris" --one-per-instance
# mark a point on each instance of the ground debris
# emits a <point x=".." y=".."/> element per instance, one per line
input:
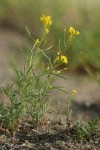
<point x="54" y="138"/>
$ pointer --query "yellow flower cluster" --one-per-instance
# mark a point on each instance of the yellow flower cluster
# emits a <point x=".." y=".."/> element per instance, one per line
<point x="46" y="20"/>
<point x="61" y="59"/>
<point x="72" y="31"/>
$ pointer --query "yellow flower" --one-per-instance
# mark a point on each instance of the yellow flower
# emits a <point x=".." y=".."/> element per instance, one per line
<point x="64" y="59"/>
<point x="58" y="53"/>
<point x="36" y="42"/>
<point x="47" y="30"/>
<point x="74" y="92"/>
<point x="58" y="71"/>
<point x="46" y="20"/>
<point x="77" y="32"/>
<point x="61" y="59"/>
<point x="71" y="30"/>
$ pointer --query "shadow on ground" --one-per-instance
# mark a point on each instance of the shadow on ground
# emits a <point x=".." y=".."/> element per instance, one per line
<point x="86" y="110"/>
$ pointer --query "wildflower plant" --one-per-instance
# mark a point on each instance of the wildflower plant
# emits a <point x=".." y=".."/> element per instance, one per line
<point x="85" y="130"/>
<point x="31" y="98"/>
<point x="69" y="105"/>
<point x="72" y="35"/>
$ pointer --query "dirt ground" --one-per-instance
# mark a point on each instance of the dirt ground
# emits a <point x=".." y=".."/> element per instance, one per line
<point x="86" y="103"/>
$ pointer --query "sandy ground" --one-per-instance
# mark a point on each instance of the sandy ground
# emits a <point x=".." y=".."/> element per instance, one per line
<point x="88" y="90"/>
<point x="9" y="40"/>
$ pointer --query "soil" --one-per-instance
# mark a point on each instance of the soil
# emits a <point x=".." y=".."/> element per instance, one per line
<point x="53" y="136"/>
<point x="53" y="133"/>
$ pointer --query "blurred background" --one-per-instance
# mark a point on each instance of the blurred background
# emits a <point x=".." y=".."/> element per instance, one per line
<point x="81" y="14"/>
